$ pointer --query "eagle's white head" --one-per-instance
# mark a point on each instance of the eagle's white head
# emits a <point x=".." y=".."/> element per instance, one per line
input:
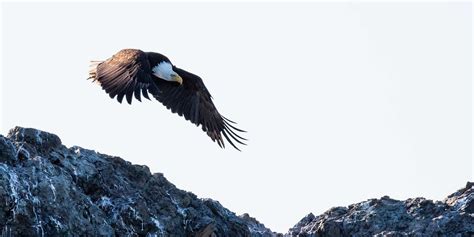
<point x="164" y="70"/>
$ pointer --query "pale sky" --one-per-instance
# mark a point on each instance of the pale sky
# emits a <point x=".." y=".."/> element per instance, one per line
<point x="343" y="101"/>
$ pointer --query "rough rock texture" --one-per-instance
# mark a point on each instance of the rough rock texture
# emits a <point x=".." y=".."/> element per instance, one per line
<point x="387" y="217"/>
<point x="47" y="189"/>
<point x="257" y="228"/>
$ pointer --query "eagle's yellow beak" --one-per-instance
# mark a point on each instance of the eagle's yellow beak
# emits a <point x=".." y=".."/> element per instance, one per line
<point x="175" y="77"/>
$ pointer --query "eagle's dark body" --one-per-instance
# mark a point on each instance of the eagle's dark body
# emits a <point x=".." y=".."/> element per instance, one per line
<point x="134" y="73"/>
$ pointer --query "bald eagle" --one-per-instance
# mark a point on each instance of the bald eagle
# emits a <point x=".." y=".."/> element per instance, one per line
<point x="132" y="72"/>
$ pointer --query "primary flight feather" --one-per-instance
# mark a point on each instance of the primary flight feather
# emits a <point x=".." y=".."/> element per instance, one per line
<point x="133" y="73"/>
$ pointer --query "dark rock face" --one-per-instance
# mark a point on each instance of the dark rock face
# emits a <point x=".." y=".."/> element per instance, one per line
<point x="387" y="217"/>
<point x="257" y="228"/>
<point x="47" y="189"/>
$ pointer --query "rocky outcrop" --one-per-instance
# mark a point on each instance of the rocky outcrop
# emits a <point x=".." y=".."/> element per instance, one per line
<point x="47" y="189"/>
<point x="388" y="217"/>
<point x="257" y="228"/>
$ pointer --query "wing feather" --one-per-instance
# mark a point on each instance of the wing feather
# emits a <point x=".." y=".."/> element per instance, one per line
<point x="193" y="101"/>
<point x="125" y="74"/>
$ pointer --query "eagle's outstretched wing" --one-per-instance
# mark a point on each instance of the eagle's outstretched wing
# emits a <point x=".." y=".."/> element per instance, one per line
<point x="125" y="74"/>
<point x="193" y="101"/>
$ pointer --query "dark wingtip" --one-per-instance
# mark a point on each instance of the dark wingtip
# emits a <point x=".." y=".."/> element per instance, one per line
<point x="230" y="133"/>
<point x="233" y="127"/>
<point x="137" y="94"/>
<point x="231" y="143"/>
<point x="145" y="93"/>
<point x="228" y="120"/>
